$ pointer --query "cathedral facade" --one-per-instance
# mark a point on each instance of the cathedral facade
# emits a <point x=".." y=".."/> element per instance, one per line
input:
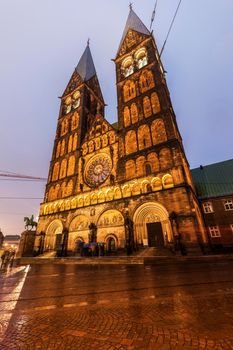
<point x="127" y="184"/>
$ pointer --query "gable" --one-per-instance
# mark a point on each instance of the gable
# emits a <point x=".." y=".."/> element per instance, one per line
<point x="132" y="39"/>
<point x="74" y="82"/>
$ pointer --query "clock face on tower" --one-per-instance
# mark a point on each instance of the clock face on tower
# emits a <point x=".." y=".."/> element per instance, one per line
<point x="98" y="169"/>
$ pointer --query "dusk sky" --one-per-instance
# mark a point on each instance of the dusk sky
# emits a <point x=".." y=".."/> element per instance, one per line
<point x="41" y="43"/>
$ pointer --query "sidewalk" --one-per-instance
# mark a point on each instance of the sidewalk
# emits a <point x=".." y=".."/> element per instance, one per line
<point x="125" y="260"/>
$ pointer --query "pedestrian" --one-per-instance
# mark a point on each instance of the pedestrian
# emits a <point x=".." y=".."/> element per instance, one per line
<point x="12" y="256"/>
<point x="3" y="259"/>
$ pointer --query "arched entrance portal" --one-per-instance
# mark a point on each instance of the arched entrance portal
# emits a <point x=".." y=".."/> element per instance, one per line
<point x="152" y="225"/>
<point x="110" y="229"/>
<point x="53" y="236"/>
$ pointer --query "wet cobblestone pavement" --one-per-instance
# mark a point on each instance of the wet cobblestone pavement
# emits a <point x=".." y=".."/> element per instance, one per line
<point x="117" y="307"/>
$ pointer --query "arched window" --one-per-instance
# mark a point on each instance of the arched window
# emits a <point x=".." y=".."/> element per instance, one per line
<point x="155" y="103"/>
<point x="153" y="159"/>
<point x="51" y="193"/>
<point x="127" y="120"/>
<point x="69" y="188"/>
<point x="127" y="67"/>
<point x="63" y="189"/>
<point x="56" y="191"/>
<point x="144" y="140"/>
<point x="74" y="121"/>
<point x="141" y="57"/>
<point x="71" y="166"/>
<point x="134" y="113"/>
<point x="129" y="90"/>
<point x="148" y="169"/>
<point x="63" y="146"/>
<point x="167" y="181"/>
<point x="165" y="159"/>
<point x="58" y="149"/>
<point x="64" y="127"/>
<point x="158" y="131"/>
<point x="156" y="184"/>
<point x="70" y="143"/>
<point x="146" y="81"/>
<point x="55" y="172"/>
<point x="63" y="168"/>
<point x="111" y="244"/>
<point x="76" y="99"/>
<point x="75" y="141"/>
<point x="130" y="169"/>
<point x="68" y="105"/>
<point x="130" y="142"/>
<point x="147" y="107"/>
<point x="140" y="161"/>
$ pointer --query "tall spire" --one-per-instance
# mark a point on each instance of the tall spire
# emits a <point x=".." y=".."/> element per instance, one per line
<point x="85" y="67"/>
<point x="133" y="22"/>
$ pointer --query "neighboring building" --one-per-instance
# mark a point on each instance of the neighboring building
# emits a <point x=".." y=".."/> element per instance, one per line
<point x="214" y="185"/>
<point x="1" y="239"/>
<point x="11" y="242"/>
<point x="124" y="184"/>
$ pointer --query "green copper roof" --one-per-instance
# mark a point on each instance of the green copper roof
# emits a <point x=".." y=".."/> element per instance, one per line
<point x="214" y="180"/>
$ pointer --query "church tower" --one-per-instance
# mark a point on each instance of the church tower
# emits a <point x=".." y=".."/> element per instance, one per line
<point x="79" y="104"/>
<point x="150" y="145"/>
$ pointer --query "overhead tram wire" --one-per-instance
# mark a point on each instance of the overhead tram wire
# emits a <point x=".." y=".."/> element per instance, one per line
<point x="153" y="14"/>
<point x="10" y="176"/>
<point x="170" y="28"/>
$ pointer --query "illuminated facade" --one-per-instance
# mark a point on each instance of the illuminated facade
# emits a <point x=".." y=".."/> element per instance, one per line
<point x="128" y="184"/>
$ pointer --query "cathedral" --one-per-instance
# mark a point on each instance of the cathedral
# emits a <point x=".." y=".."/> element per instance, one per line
<point x="123" y="185"/>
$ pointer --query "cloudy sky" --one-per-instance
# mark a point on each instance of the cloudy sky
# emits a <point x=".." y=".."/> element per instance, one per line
<point x="41" y="43"/>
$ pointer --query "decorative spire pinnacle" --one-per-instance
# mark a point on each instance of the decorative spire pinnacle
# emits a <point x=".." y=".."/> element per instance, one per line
<point x="88" y="42"/>
<point x="85" y="67"/>
<point x="130" y="5"/>
<point x="134" y="23"/>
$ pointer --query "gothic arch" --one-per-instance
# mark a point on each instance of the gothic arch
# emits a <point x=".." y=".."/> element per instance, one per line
<point x="111" y="223"/>
<point x="130" y="169"/>
<point x="167" y="181"/>
<point x="127" y="119"/>
<point x="144" y="139"/>
<point x="165" y="158"/>
<point x="63" y="169"/>
<point x="79" y="223"/>
<point x="140" y="161"/>
<point x="71" y="166"/>
<point x="148" y="213"/>
<point x="155" y="103"/>
<point x="129" y="90"/>
<point x="153" y="159"/>
<point x="55" y="171"/>
<point x="134" y="113"/>
<point x="147" y="107"/>
<point x="158" y="131"/>
<point x="70" y="143"/>
<point x="130" y="142"/>
<point x="54" y="228"/>
<point x="146" y="81"/>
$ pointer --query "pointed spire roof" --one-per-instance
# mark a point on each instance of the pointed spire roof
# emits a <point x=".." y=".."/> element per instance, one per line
<point x="85" y="67"/>
<point x="133" y="22"/>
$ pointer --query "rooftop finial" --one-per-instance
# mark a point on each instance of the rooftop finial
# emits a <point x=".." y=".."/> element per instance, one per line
<point x="131" y="5"/>
<point x="88" y="42"/>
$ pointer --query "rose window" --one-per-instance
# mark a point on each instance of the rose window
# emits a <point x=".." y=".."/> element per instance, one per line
<point x="98" y="169"/>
